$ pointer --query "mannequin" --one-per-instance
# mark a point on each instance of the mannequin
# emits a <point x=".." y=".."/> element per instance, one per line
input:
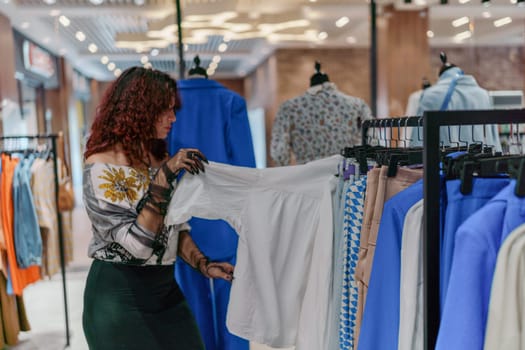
<point x="197" y="69"/>
<point x="319" y="77"/>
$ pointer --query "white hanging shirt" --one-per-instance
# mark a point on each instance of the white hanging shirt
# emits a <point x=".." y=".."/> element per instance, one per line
<point x="281" y="292"/>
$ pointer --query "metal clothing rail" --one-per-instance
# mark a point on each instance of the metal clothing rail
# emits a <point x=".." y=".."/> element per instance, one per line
<point x="53" y="138"/>
<point x="432" y="121"/>
<point x="392" y="123"/>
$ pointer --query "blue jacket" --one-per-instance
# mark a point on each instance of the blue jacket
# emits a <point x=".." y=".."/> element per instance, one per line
<point x="214" y="120"/>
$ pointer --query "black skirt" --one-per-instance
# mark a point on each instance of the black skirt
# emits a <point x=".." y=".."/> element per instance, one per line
<point x="137" y="307"/>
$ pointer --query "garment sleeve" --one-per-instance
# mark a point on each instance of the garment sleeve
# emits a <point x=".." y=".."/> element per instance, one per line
<point x="240" y="146"/>
<point x="280" y="145"/>
<point x="113" y="215"/>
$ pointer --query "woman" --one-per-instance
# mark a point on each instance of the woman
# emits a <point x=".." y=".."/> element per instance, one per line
<point x="131" y="299"/>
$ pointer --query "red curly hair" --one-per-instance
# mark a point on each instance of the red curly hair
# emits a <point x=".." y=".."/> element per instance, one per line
<point x="128" y="112"/>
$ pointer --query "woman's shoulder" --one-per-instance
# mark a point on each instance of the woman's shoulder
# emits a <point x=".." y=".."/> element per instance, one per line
<point x="108" y="157"/>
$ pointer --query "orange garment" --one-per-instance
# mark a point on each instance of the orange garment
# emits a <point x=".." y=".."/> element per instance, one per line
<point x="20" y="278"/>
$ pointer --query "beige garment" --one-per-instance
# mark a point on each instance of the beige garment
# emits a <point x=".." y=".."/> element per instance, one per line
<point x="43" y="188"/>
<point x="506" y="318"/>
<point x="13" y="316"/>
<point x="386" y="188"/>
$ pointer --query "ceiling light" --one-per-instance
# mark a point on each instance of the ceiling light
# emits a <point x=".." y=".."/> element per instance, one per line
<point x="50" y="2"/>
<point x="486" y="14"/>
<point x="138" y="2"/>
<point x="64" y="20"/>
<point x="80" y="36"/>
<point x="148" y="65"/>
<point x="463" y="35"/>
<point x="341" y="22"/>
<point x="154" y="52"/>
<point x="54" y="12"/>
<point x="104" y="59"/>
<point x="463" y="1"/>
<point x="144" y="59"/>
<point x="213" y="65"/>
<point x="96" y="2"/>
<point x="216" y="58"/>
<point x="111" y="66"/>
<point x="502" y="21"/>
<point x="313" y="0"/>
<point x="513" y="1"/>
<point x="222" y="47"/>
<point x="117" y="72"/>
<point x="351" y="40"/>
<point x="227" y="37"/>
<point x="92" y="48"/>
<point x="322" y="35"/>
<point x="430" y="34"/>
<point x="25" y="25"/>
<point x="460" y="21"/>
<point x="210" y="71"/>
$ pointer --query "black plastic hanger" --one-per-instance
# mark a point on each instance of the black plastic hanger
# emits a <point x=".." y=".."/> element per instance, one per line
<point x="319" y="77"/>
<point x="197" y="69"/>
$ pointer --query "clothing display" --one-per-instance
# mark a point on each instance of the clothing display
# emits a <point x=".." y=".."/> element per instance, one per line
<point x="281" y="291"/>
<point x="465" y="94"/>
<point x="317" y="124"/>
<point x="505" y="315"/>
<point x="477" y="244"/>
<point x="213" y="119"/>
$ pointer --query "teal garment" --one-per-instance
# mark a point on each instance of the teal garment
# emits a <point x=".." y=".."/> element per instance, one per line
<point x="467" y="95"/>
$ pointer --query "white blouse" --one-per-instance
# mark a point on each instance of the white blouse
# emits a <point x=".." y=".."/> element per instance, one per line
<point x="283" y="216"/>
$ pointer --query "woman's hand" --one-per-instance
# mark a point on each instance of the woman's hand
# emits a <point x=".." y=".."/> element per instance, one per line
<point x="190" y="159"/>
<point x="222" y="270"/>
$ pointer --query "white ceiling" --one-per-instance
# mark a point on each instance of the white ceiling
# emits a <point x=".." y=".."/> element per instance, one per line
<point x="251" y="29"/>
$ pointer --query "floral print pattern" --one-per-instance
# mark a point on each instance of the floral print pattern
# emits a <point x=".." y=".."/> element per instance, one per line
<point x="120" y="186"/>
<point x="317" y="124"/>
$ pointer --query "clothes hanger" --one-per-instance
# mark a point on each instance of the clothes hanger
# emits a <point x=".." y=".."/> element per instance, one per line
<point x="319" y="77"/>
<point x="197" y="69"/>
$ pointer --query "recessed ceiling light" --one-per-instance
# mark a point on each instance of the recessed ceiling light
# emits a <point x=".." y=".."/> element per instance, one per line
<point x="139" y="2"/>
<point x="96" y="2"/>
<point x="104" y="59"/>
<point x="486" y="14"/>
<point x="111" y="66"/>
<point x="341" y="22"/>
<point x="460" y="21"/>
<point x="351" y="40"/>
<point x="222" y="47"/>
<point x="430" y="34"/>
<point x="144" y="59"/>
<point x="154" y="52"/>
<point x="210" y="71"/>
<point x="322" y="35"/>
<point x="117" y="72"/>
<point x="502" y="21"/>
<point x="80" y="36"/>
<point x="216" y="58"/>
<point x="92" y="48"/>
<point x="50" y="2"/>
<point x="64" y="20"/>
<point x="463" y="35"/>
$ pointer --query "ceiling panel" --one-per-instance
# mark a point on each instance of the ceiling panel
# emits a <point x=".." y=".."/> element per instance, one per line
<point x="241" y="32"/>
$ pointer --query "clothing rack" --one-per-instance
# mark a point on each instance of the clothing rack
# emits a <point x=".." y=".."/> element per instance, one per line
<point x="432" y="121"/>
<point x="53" y="138"/>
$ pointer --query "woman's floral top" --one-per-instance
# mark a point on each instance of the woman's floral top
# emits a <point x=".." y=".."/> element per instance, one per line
<point x="317" y="124"/>
<point x="111" y="195"/>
